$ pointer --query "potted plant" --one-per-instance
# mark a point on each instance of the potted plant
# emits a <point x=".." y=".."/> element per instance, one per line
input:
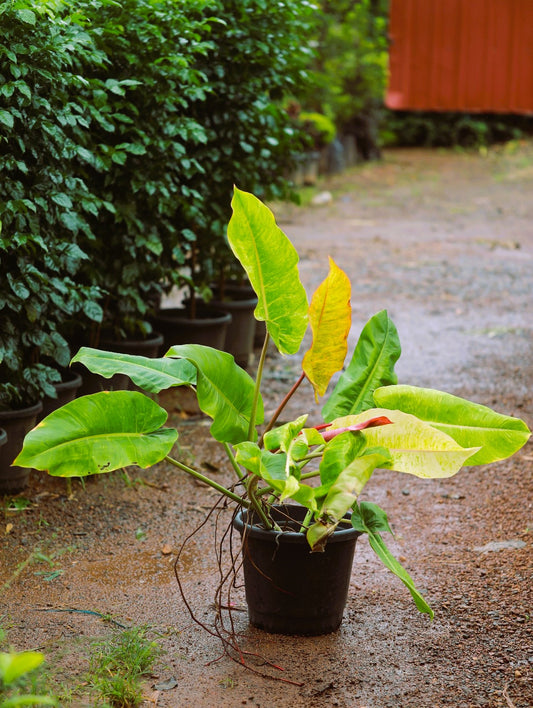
<point x="370" y="422"/>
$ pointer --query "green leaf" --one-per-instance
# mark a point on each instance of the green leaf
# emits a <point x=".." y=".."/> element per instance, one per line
<point x="225" y="391"/>
<point x="99" y="433"/>
<point x="415" y="446"/>
<point x="27" y="16"/>
<point x="338" y="454"/>
<point x="343" y="492"/>
<point x="469" y="424"/>
<point x="152" y="375"/>
<point x="62" y="199"/>
<point x="28" y="700"/>
<point x="282" y="436"/>
<point x="369" y="518"/>
<point x="93" y="311"/>
<point x="371" y="366"/>
<point x="13" y="665"/>
<point x="271" y="263"/>
<point x="7" y="119"/>
<point x="276" y="469"/>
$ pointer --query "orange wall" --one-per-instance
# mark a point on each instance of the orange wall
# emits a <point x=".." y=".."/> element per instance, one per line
<point x="461" y="55"/>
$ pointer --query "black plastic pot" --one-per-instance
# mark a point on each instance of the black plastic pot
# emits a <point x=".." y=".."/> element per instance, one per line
<point x="16" y="424"/>
<point x="66" y="391"/>
<point x="290" y="590"/>
<point x="240" y="302"/>
<point x="208" y="327"/>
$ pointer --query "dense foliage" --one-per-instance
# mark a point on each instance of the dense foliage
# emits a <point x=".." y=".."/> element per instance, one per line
<point x="140" y="99"/>
<point x="350" y="69"/>
<point x="451" y="129"/>
<point x="43" y="204"/>
<point x="123" y="128"/>
<point x="256" y="57"/>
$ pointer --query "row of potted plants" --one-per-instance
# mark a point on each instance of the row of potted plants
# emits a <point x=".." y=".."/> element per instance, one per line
<point x="298" y="489"/>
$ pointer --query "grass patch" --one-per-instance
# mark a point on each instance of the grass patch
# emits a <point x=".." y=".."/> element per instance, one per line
<point x="118" y="665"/>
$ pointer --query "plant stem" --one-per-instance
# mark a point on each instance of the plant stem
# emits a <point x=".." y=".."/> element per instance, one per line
<point x="284" y="403"/>
<point x="257" y="390"/>
<point x="251" y="488"/>
<point x="231" y="457"/>
<point x="266" y="490"/>
<point x="202" y="478"/>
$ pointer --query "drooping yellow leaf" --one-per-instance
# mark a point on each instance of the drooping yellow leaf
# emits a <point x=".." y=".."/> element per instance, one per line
<point x="330" y="316"/>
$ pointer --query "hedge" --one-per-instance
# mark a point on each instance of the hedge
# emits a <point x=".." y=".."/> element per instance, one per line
<point x="123" y="128"/>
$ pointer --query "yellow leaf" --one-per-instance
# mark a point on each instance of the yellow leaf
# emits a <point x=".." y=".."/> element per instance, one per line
<point x="330" y="316"/>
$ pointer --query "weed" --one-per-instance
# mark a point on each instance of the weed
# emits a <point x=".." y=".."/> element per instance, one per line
<point x="18" y="504"/>
<point x="140" y="535"/>
<point x="118" y="665"/>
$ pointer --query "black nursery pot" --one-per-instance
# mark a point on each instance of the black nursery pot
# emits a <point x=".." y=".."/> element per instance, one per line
<point x="240" y="302"/>
<point x="16" y="423"/>
<point x="290" y="590"/>
<point x="66" y="391"/>
<point x="208" y="327"/>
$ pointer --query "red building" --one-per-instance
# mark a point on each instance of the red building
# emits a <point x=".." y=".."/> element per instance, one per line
<point x="461" y="55"/>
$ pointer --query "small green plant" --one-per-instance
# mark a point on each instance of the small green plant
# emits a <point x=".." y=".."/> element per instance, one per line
<point x="18" y="504"/>
<point x="319" y="127"/>
<point x="18" y="682"/>
<point x="117" y="667"/>
<point x="370" y="422"/>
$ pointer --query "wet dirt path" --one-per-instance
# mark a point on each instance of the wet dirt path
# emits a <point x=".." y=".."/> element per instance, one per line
<point x="444" y="242"/>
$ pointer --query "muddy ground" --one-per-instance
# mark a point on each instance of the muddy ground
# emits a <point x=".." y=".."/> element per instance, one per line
<point x="444" y="241"/>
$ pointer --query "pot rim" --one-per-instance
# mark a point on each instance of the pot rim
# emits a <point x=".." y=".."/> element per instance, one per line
<point x="179" y="315"/>
<point x="257" y="532"/>
<point x="16" y="413"/>
<point x="150" y="340"/>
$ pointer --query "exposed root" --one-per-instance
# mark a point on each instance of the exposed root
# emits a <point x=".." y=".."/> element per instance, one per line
<point x="223" y="627"/>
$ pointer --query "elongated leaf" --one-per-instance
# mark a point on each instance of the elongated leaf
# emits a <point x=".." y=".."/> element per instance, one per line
<point x="343" y="494"/>
<point x="225" y="391"/>
<point x="330" y="316"/>
<point x="415" y="446"/>
<point x="470" y="424"/>
<point x="99" y="433"/>
<point x="369" y="518"/>
<point x="371" y="366"/>
<point x="271" y="263"/>
<point x="338" y="454"/>
<point x="152" y="375"/>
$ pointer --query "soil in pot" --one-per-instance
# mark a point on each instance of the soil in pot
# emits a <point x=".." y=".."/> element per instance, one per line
<point x="208" y="327"/>
<point x="16" y="424"/>
<point x="290" y="590"/>
<point x="240" y="302"/>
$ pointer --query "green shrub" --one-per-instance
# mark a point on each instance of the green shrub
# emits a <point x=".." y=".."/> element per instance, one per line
<point x="451" y="129"/>
<point x="319" y="127"/>
<point x="123" y="128"/>
<point x="43" y="205"/>
<point x="257" y="58"/>
<point x="137" y="151"/>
